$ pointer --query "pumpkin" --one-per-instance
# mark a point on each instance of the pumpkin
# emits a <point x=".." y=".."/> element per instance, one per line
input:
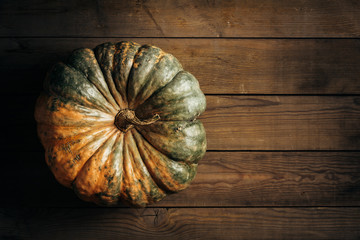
<point x="118" y="124"/>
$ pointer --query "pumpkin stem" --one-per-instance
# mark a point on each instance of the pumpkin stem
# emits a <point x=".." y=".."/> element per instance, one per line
<point x="125" y="119"/>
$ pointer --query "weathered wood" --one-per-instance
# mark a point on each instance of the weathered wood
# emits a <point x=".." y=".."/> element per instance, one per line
<point x="200" y="18"/>
<point x="238" y="123"/>
<point x="233" y="47"/>
<point x="222" y="66"/>
<point x="273" y="179"/>
<point x="282" y="123"/>
<point x="236" y="179"/>
<point x="181" y="223"/>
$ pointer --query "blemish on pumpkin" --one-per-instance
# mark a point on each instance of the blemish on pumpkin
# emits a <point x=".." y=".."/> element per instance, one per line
<point x="51" y="160"/>
<point x="136" y="65"/>
<point x="178" y="129"/>
<point x="66" y="147"/>
<point x="54" y="106"/>
<point x="77" y="158"/>
<point x="159" y="57"/>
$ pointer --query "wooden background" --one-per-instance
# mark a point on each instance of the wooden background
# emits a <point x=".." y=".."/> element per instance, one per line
<point x="282" y="81"/>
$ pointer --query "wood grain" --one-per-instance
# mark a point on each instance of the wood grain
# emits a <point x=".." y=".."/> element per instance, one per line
<point x="181" y="223"/>
<point x="224" y="179"/>
<point x="200" y="18"/>
<point x="283" y="119"/>
<point x="222" y="66"/>
<point x="238" y="123"/>
<point x="282" y="122"/>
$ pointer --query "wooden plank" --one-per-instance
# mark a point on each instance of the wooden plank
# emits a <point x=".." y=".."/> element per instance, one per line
<point x="282" y="122"/>
<point x="200" y="18"/>
<point x="181" y="223"/>
<point x="237" y="123"/>
<point x="228" y="179"/>
<point x="222" y="66"/>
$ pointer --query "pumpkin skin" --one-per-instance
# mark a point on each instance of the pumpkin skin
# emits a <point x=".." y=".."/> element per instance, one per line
<point x="118" y="124"/>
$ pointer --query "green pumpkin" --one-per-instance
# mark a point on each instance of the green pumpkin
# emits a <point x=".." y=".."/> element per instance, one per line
<point x="118" y="124"/>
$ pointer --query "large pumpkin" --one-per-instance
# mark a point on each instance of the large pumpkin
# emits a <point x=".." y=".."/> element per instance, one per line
<point x="118" y="124"/>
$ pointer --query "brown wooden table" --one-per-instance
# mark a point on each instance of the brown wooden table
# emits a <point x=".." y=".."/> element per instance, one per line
<point x="282" y="81"/>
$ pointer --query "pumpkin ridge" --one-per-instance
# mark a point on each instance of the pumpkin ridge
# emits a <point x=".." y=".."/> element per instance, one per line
<point x="96" y="174"/>
<point x="124" y="173"/>
<point x="185" y="95"/>
<point x="142" y="135"/>
<point x="159" y="184"/>
<point x="114" y="190"/>
<point x="146" y="84"/>
<point x="54" y="86"/>
<point x="114" y="131"/>
<point x="116" y="51"/>
<point x="55" y="111"/>
<point x="106" y="51"/>
<point x="160" y="89"/>
<point x="132" y="69"/>
<point x="58" y="141"/>
<point x="144" y="190"/>
<point x="86" y="77"/>
<point x="121" y="50"/>
<point x="143" y="50"/>
<point x="169" y="187"/>
<point x="119" y="166"/>
<point x="177" y="135"/>
<point x="113" y="101"/>
<point x="62" y="159"/>
<point x="124" y="59"/>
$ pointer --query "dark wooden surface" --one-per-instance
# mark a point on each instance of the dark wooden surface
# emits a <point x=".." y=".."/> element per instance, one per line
<point x="182" y="223"/>
<point x="223" y="66"/>
<point x="282" y="80"/>
<point x="184" y="18"/>
<point x="228" y="179"/>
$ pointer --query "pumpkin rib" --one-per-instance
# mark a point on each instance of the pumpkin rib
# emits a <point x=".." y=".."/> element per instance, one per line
<point x="55" y="112"/>
<point x="112" y="73"/>
<point x="152" y="79"/>
<point x="138" y="187"/>
<point x="90" y="182"/>
<point x="104" y="95"/>
<point x="153" y="69"/>
<point x="78" y="65"/>
<point x="60" y="129"/>
<point x="183" y="141"/>
<point x="142" y="135"/>
<point x="160" y="89"/>
<point x="137" y="145"/>
<point x="118" y="162"/>
<point x="104" y="54"/>
<point x="164" y="170"/>
<point x="143" y="52"/>
<point x="121" y="69"/>
<point x="63" y="169"/>
<point x="72" y="87"/>
<point x="181" y="99"/>
<point x="101" y="145"/>
<point x="114" y="64"/>
<point x="137" y="53"/>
